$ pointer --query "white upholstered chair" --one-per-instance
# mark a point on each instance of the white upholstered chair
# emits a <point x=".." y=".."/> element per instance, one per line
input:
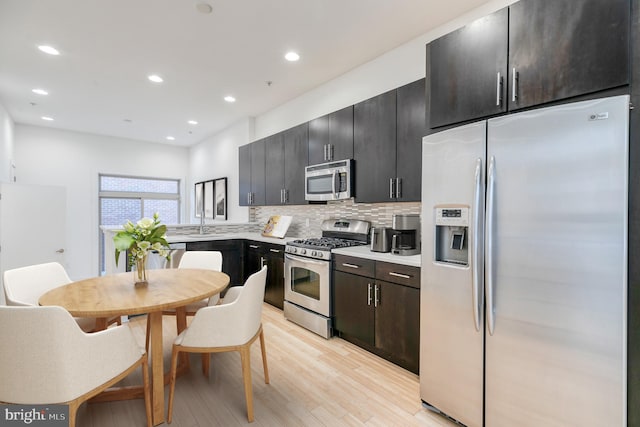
<point x="47" y="359"/>
<point x="206" y="260"/>
<point x="231" y="326"/>
<point x="25" y="285"/>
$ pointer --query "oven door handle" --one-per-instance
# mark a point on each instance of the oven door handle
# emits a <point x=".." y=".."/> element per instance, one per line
<point x="305" y="260"/>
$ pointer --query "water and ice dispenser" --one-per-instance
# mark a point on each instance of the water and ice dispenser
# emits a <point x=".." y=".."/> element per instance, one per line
<point x="452" y="234"/>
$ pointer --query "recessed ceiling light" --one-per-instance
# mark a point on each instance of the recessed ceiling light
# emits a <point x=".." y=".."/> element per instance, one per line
<point x="49" y="119"/>
<point x="229" y="98"/>
<point x="204" y="8"/>
<point x="40" y="91"/>
<point x="192" y="122"/>
<point x="292" y="56"/>
<point x="171" y="138"/>
<point x="48" y="49"/>
<point x="155" y="78"/>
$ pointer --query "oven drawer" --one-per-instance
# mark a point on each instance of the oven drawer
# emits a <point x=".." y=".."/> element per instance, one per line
<point x="354" y="265"/>
<point x="398" y="273"/>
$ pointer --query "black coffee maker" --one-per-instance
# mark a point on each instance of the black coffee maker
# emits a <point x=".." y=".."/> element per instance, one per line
<point x="405" y="234"/>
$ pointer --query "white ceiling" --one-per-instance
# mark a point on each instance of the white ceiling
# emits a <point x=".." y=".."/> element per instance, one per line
<point x="98" y="84"/>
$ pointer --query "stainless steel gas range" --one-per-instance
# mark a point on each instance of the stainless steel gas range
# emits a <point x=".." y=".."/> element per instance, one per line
<point x="307" y="273"/>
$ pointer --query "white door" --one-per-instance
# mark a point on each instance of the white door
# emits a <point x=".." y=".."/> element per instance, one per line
<point x="32" y="226"/>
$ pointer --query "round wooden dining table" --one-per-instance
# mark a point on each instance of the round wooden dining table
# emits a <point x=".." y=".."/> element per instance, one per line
<point x="116" y="295"/>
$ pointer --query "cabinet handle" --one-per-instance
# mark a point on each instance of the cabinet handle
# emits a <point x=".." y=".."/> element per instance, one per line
<point x="398" y="188"/>
<point x="391" y="189"/>
<point x="376" y="299"/>
<point x="331" y="151"/>
<point x="404" y="276"/>
<point x="368" y="293"/>
<point x="514" y="85"/>
<point x="254" y="246"/>
<point x="274" y="251"/>
<point x="286" y="196"/>
<point x="499" y="90"/>
<point x="282" y="196"/>
<point x="248" y="198"/>
<point x="344" y="264"/>
<point x="261" y="261"/>
<point x="325" y="155"/>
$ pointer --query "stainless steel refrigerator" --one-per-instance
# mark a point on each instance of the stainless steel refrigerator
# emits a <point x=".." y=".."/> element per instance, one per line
<point x="524" y="261"/>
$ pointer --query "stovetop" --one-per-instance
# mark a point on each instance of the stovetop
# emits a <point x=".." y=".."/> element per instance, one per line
<point x="326" y="243"/>
<point x="340" y="233"/>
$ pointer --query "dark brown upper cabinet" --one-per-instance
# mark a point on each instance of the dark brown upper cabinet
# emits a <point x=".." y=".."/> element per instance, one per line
<point x="252" y="189"/>
<point x="295" y="160"/>
<point x="467" y="71"/>
<point x="564" y="48"/>
<point x="387" y="146"/>
<point x="274" y="171"/>
<point x="286" y="158"/>
<point x="331" y="137"/>
<point x="534" y="52"/>
<point x="374" y="148"/>
<point x="410" y="128"/>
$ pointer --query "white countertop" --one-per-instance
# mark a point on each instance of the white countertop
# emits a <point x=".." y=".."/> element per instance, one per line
<point x="355" y="251"/>
<point x="186" y="238"/>
<point x="364" y="252"/>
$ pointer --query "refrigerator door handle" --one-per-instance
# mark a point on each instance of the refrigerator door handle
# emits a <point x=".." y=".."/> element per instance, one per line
<point x="477" y="238"/>
<point x="489" y="247"/>
<point x="514" y="85"/>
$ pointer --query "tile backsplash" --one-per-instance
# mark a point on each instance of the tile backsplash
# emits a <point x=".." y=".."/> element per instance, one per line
<point x="307" y="218"/>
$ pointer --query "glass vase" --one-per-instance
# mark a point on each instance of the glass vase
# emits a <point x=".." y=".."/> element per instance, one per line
<point x="141" y="271"/>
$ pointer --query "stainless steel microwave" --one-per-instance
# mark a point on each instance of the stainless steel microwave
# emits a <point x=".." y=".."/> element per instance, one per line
<point x="329" y="181"/>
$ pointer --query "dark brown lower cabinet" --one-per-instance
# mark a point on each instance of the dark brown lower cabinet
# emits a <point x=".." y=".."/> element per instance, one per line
<point x="354" y="314"/>
<point x="397" y="322"/>
<point x="232" y="256"/>
<point x="380" y="316"/>
<point x="259" y="254"/>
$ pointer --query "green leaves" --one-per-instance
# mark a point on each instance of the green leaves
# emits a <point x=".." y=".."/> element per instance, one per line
<point x="147" y="234"/>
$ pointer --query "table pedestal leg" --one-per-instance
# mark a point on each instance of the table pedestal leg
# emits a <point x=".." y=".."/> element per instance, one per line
<point x="157" y="369"/>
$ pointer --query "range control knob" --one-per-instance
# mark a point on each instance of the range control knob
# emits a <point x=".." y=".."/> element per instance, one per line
<point x="303" y="251"/>
<point x="293" y="250"/>
<point x="314" y="253"/>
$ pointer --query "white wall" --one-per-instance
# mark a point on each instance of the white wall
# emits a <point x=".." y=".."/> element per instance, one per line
<point x="6" y="145"/>
<point x="53" y="157"/>
<point x="217" y="157"/>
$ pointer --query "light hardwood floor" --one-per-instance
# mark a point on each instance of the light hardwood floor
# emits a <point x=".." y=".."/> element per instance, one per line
<point x="314" y="382"/>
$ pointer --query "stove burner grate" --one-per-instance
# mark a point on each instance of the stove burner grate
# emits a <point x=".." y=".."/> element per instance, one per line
<point x="326" y="243"/>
